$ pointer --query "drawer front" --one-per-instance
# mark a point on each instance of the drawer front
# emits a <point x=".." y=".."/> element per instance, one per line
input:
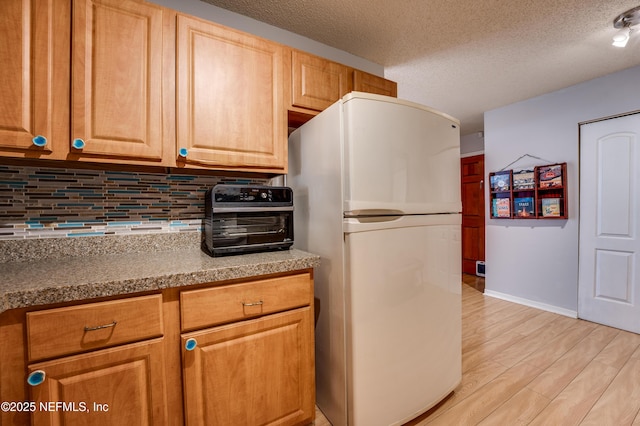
<point x="216" y="305"/>
<point x="64" y="331"/>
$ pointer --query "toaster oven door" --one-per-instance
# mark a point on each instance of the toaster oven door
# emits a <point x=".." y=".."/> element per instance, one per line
<point x="251" y="231"/>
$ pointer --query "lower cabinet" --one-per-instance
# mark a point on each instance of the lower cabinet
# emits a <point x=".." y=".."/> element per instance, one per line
<point x="117" y="386"/>
<point x="234" y="353"/>
<point x="248" y="352"/>
<point x="255" y="372"/>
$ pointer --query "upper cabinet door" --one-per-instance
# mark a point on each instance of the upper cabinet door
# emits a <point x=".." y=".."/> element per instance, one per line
<point x="117" y="80"/>
<point x="317" y="82"/>
<point x="34" y="75"/>
<point x="230" y="105"/>
<point x="365" y="82"/>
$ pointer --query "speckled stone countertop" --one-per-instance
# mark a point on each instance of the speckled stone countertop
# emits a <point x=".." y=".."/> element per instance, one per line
<point x="53" y="279"/>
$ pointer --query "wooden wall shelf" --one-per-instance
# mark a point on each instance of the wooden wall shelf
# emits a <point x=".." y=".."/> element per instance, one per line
<point x="538" y="193"/>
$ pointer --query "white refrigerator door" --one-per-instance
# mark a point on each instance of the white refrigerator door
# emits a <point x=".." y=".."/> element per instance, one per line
<point x="403" y="316"/>
<point x="399" y="156"/>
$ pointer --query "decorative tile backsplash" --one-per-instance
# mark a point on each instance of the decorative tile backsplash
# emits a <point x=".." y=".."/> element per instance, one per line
<point x="52" y="202"/>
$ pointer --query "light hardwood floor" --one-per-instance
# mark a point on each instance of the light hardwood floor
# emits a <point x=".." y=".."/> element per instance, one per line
<point x="524" y="366"/>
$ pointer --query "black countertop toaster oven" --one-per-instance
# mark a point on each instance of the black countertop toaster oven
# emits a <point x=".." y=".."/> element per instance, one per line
<point x="248" y="219"/>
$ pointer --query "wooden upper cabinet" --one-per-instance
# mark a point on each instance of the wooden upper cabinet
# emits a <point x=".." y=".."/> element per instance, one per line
<point x="130" y="82"/>
<point x="34" y="76"/>
<point x="365" y="82"/>
<point x="316" y="83"/>
<point x="230" y="105"/>
<point x="117" y="81"/>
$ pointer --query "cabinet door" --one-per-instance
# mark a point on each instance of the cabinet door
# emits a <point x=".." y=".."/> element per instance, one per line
<point x="118" y="386"/>
<point x="117" y="81"/>
<point x="257" y="372"/>
<point x="317" y="82"/>
<point x="34" y="76"/>
<point x="365" y="82"/>
<point x="230" y="110"/>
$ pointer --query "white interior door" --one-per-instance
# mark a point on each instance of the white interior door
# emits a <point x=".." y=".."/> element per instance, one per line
<point x="609" y="280"/>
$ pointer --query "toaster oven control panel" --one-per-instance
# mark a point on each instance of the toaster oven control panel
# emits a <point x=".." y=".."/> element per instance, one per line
<point x="246" y="194"/>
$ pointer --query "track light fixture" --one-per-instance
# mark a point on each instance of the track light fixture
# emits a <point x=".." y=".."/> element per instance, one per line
<point x="626" y="23"/>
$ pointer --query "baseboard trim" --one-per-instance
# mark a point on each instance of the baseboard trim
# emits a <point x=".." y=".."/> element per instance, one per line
<point x="521" y="301"/>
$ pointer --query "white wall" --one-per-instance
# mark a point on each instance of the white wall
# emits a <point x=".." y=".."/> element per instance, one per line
<point x="537" y="261"/>
<point x="472" y="144"/>
<point x="234" y="20"/>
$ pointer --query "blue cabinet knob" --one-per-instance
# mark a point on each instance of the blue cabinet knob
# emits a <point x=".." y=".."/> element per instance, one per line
<point x="190" y="344"/>
<point x="39" y="140"/>
<point x="182" y="152"/>
<point x="78" y="143"/>
<point x="36" y="377"/>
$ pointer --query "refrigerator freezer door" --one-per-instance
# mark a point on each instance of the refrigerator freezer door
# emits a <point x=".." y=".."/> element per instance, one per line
<point x="399" y="156"/>
<point x="403" y="317"/>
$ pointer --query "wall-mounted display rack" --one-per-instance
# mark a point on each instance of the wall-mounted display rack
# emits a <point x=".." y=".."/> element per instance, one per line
<point x="534" y="193"/>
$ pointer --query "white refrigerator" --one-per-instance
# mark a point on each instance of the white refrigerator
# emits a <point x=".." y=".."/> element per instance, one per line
<point x="376" y="184"/>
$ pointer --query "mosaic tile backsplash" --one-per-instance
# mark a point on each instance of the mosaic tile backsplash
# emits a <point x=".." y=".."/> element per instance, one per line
<point x="53" y="202"/>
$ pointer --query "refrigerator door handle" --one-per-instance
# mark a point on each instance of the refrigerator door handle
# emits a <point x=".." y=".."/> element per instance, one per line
<point x="377" y="223"/>
<point x="373" y="213"/>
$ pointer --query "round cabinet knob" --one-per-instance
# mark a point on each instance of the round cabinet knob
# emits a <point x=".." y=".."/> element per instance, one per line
<point x="182" y="152"/>
<point x="36" y="377"/>
<point x="190" y="344"/>
<point x="39" y="140"/>
<point x="78" y="143"/>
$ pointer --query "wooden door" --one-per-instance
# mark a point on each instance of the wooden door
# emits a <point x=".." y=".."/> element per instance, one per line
<point x="365" y="82"/>
<point x="230" y="99"/>
<point x="609" y="249"/>
<point x="472" y="177"/>
<point x="317" y="82"/>
<point x="34" y="77"/>
<point x="118" y="386"/>
<point x="117" y="81"/>
<point x="257" y="372"/>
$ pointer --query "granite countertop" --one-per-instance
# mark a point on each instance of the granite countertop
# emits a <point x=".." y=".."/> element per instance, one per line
<point x="70" y="277"/>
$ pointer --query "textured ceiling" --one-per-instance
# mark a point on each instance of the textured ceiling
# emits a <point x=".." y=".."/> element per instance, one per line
<point x="463" y="57"/>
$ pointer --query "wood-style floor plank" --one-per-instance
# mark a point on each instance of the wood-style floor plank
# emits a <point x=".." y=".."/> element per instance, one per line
<point x="575" y="401"/>
<point x="620" y="403"/>
<point x="523" y="366"/>
<point x="555" y="378"/>
<point x="480" y="404"/>
<point x="520" y="409"/>
<point x="533" y="342"/>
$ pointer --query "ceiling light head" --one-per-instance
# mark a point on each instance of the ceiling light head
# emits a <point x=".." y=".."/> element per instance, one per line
<point x="622" y="37"/>
<point x="625" y="23"/>
<point x="629" y="18"/>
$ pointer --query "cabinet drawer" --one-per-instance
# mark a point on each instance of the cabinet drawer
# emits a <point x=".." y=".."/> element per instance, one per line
<point x="216" y="305"/>
<point x="63" y="331"/>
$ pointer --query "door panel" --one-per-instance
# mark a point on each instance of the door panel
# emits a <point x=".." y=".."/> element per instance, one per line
<point x="230" y="102"/>
<point x="614" y="271"/>
<point x="124" y="385"/>
<point x="609" y="285"/>
<point x="317" y="82"/>
<point x="255" y="372"/>
<point x="400" y="156"/>
<point x="34" y="92"/>
<point x="117" y="84"/>
<point x="402" y="317"/>
<point x="473" y="230"/>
